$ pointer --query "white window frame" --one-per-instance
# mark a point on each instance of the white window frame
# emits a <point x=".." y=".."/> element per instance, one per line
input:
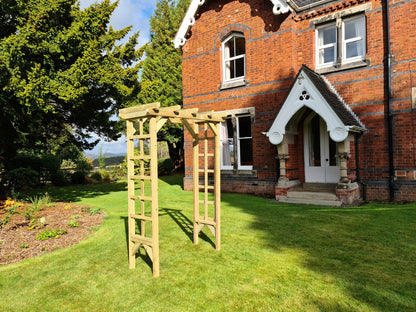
<point x="324" y="46"/>
<point x="340" y="45"/>
<point x="226" y="59"/>
<point x="235" y="120"/>
<point x="361" y="20"/>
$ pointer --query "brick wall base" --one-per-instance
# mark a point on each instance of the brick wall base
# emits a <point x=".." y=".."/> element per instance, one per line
<point x="255" y="187"/>
<point x="348" y="195"/>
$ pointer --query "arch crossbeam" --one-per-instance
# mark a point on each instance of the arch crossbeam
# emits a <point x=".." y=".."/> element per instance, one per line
<point x="143" y="124"/>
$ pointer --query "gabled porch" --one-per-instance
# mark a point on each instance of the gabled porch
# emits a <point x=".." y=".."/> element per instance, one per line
<point x="314" y="133"/>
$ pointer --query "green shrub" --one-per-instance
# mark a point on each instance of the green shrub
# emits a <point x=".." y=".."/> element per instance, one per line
<point x="59" y="178"/>
<point x="73" y="224"/>
<point x="94" y="211"/>
<point x="165" y="166"/>
<point x="96" y="176"/>
<point x="78" y="177"/>
<point x="45" y="235"/>
<point x="105" y="176"/>
<point x="83" y="165"/>
<point x="21" y="179"/>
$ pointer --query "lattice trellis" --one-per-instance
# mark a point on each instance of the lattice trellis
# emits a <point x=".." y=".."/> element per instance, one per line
<point x="143" y="124"/>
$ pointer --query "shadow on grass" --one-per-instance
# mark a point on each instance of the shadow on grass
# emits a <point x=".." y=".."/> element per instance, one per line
<point x="184" y="223"/>
<point x="370" y="250"/>
<point x="78" y="192"/>
<point x="176" y="179"/>
<point x="141" y="253"/>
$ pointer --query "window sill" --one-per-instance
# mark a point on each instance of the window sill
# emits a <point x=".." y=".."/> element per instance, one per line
<point x="233" y="84"/>
<point x="344" y="66"/>
<point x="239" y="173"/>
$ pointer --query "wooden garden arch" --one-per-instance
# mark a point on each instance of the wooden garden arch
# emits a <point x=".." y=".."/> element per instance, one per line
<point x="143" y="124"/>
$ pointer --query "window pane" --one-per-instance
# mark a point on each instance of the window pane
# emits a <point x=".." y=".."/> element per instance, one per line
<point x="244" y="127"/>
<point x="327" y="55"/>
<point x="246" y="152"/>
<point x="227" y="146"/>
<point x="314" y="143"/>
<point x="354" y="49"/>
<point x="354" y="28"/>
<point x="327" y="35"/>
<point x="228" y="69"/>
<point x="332" y="152"/>
<point x="239" y="67"/>
<point x="231" y="46"/>
<point x="240" y="46"/>
<point x="230" y="128"/>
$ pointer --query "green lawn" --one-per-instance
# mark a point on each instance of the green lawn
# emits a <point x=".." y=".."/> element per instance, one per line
<point x="274" y="257"/>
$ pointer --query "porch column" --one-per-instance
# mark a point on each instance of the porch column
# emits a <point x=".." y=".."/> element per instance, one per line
<point x="282" y="162"/>
<point x="283" y="155"/>
<point x="343" y="158"/>
<point x="347" y="192"/>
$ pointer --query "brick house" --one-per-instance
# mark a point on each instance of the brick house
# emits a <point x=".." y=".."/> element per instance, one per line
<point x="319" y="94"/>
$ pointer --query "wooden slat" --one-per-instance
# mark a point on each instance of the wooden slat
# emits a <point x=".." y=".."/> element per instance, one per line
<point x="209" y="221"/>
<point x="141" y="239"/>
<point x="139" y="136"/>
<point x="201" y="201"/>
<point x="139" y="197"/>
<point x="139" y="157"/>
<point x="208" y="170"/>
<point x="209" y="187"/>
<point x="140" y="217"/>
<point x="207" y="154"/>
<point x="139" y="177"/>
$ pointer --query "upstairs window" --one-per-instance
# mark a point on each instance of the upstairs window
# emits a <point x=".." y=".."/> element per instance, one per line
<point x="237" y="143"/>
<point x="234" y="57"/>
<point x="340" y="42"/>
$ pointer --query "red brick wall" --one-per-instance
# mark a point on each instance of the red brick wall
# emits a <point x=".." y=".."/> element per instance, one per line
<point x="276" y="47"/>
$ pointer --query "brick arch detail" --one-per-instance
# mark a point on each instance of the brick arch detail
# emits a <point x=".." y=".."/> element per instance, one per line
<point x="240" y="28"/>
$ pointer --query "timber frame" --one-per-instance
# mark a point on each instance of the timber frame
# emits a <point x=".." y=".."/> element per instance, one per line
<point x="143" y="124"/>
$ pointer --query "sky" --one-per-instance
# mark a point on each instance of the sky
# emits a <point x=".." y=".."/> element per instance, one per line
<point x="137" y="14"/>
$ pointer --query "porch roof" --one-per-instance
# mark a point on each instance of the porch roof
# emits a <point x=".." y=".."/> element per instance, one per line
<point x="333" y="98"/>
<point x="315" y="92"/>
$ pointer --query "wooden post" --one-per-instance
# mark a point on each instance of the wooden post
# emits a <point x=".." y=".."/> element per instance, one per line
<point x="195" y="155"/>
<point x="217" y="187"/>
<point x="130" y="187"/>
<point x="154" y="194"/>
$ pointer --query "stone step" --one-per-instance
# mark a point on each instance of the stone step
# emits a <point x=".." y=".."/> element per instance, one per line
<point x="317" y="187"/>
<point x="310" y="201"/>
<point x="312" y="195"/>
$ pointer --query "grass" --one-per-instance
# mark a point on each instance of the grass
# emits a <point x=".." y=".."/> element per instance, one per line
<point x="274" y="257"/>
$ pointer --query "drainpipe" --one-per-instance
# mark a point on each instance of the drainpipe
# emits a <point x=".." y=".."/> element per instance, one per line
<point x="389" y="109"/>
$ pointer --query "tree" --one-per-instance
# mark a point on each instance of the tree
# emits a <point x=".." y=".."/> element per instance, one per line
<point x="161" y="77"/>
<point x="62" y="75"/>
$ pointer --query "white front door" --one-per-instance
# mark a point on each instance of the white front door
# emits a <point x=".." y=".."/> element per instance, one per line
<point x="321" y="165"/>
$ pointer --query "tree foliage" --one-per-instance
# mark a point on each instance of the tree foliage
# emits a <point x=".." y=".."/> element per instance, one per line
<point x="62" y="74"/>
<point x="161" y="77"/>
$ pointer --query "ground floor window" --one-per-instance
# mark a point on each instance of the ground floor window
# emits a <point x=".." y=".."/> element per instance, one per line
<point x="237" y="143"/>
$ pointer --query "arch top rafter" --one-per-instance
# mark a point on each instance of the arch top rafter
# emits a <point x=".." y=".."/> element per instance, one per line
<point x="171" y="112"/>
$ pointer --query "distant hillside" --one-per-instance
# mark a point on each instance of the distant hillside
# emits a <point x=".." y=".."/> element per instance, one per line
<point x="110" y="161"/>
